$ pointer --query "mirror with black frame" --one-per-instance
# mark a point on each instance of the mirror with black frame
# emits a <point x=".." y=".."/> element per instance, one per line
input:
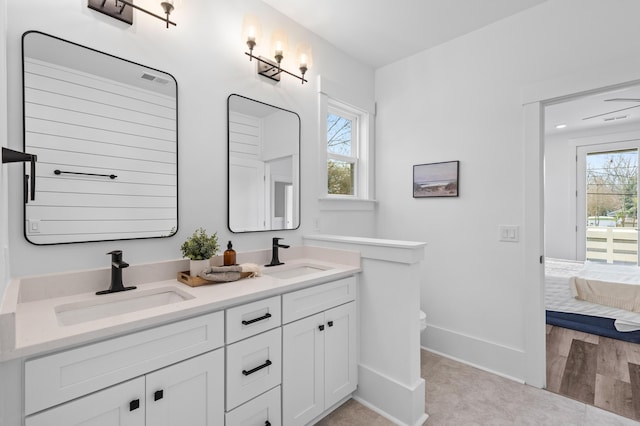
<point x="105" y="131"/>
<point x="263" y="166"/>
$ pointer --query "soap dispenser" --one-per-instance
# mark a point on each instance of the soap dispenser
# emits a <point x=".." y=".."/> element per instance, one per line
<point x="229" y="255"/>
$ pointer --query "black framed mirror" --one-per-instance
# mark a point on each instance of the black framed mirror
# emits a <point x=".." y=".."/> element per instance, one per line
<point x="263" y="166"/>
<point x="105" y="131"/>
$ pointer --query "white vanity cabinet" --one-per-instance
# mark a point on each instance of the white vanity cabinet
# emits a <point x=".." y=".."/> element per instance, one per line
<point x="167" y="375"/>
<point x="319" y="350"/>
<point x="189" y="393"/>
<point x="282" y="360"/>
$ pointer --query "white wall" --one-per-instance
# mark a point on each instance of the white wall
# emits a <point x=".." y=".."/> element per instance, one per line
<point x="558" y="203"/>
<point x="463" y="101"/>
<point x="205" y="53"/>
<point x="4" y="229"/>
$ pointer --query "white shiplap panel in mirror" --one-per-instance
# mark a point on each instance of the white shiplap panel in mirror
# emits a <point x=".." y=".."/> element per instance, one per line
<point x="85" y="123"/>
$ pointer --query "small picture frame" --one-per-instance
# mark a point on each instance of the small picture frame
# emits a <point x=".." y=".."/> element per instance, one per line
<point x="436" y="179"/>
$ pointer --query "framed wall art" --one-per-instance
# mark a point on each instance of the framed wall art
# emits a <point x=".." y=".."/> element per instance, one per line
<point x="436" y="179"/>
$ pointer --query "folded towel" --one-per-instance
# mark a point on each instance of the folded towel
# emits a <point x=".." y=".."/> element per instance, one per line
<point x="212" y="274"/>
<point x="251" y="267"/>
<point x="216" y="269"/>
<point x="230" y="273"/>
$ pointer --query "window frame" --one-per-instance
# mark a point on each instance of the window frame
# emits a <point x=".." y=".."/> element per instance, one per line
<point x="581" y="153"/>
<point x="360" y="143"/>
<point x="337" y="108"/>
<point x="610" y="141"/>
<point x="359" y="103"/>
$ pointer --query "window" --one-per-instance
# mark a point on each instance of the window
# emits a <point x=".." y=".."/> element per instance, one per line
<point x="346" y="162"/>
<point x="345" y="147"/>
<point x="607" y="201"/>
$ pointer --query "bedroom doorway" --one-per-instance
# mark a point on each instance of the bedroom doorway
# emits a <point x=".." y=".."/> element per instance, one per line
<point x="590" y="214"/>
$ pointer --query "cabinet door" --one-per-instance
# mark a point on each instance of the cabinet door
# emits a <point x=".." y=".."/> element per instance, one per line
<point x="188" y="393"/>
<point x="120" y="405"/>
<point x="340" y="366"/>
<point x="302" y="370"/>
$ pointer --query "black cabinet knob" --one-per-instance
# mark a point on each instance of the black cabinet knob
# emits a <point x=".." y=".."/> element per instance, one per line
<point x="134" y="405"/>
<point x="321" y="327"/>
<point x="159" y="394"/>
<point x="330" y="323"/>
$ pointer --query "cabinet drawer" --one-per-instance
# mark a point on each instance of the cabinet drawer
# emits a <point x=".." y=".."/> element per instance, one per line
<point x="57" y="378"/>
<point x="254" y="366"/>
<point x="302" y="303"/>
<point x="260" y="410"/>
<point x="253" y="318"/>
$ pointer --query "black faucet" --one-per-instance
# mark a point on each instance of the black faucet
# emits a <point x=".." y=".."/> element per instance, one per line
<point x="274" y="252"/>
<point x="117" y="265"/>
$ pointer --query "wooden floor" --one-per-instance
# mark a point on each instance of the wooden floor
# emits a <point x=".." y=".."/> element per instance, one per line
<point x="596" y="370"/>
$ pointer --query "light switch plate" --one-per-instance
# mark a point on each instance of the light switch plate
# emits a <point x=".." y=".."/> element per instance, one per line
<point x="509" y="233"/>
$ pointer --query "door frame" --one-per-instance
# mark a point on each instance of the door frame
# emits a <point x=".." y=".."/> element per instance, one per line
<point x="534" y="98"/>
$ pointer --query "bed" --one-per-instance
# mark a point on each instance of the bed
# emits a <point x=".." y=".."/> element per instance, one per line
<point x="564" y="310"/>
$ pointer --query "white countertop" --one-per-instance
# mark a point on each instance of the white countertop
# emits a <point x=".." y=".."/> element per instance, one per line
<point x="30" y="326"/>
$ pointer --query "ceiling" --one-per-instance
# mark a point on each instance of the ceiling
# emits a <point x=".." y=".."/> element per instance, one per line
<point x="600" y="110"/>
<point x="379" y="32"/>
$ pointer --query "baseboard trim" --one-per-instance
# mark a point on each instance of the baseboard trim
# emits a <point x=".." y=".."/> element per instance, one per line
<point x="482" y="354"/>
<point x="404" y="405"/>
<point x="388" y="416"/>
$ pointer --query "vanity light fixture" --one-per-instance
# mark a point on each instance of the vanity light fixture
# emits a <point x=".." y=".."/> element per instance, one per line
<point x="118" y="9"/>
<point x="267" y="67"/>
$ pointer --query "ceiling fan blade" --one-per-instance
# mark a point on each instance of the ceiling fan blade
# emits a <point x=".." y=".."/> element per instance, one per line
<point x="622" y="100"/>
<point x="611" y="112"/>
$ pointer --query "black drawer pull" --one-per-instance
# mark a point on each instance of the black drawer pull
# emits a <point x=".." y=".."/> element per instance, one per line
<point x="134" y="405"/>
<point x="330" y="323"/>
<point x="159" y="394"/>
<point x="321" y="327"/>
<point x="267" y="423"/>
<point x="264" y="317"/>
<point x="260" y="367"/>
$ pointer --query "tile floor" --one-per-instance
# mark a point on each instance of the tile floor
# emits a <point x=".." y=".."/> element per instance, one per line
<point x="460" y="395"/>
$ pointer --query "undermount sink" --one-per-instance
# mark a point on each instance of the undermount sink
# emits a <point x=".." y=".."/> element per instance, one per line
<point x="293" y="271"/>
<point x="117" y="304"/>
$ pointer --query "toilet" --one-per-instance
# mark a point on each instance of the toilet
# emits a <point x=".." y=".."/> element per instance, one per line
<point x="423" y="321"/>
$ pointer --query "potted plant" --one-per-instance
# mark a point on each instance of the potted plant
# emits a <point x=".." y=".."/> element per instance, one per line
<point x="199" y="248"/>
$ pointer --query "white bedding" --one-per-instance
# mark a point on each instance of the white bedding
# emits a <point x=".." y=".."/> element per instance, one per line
<point x="558" y="296"/>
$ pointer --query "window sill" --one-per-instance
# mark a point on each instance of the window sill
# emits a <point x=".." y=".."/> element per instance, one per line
<point x="346" y="204"/>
